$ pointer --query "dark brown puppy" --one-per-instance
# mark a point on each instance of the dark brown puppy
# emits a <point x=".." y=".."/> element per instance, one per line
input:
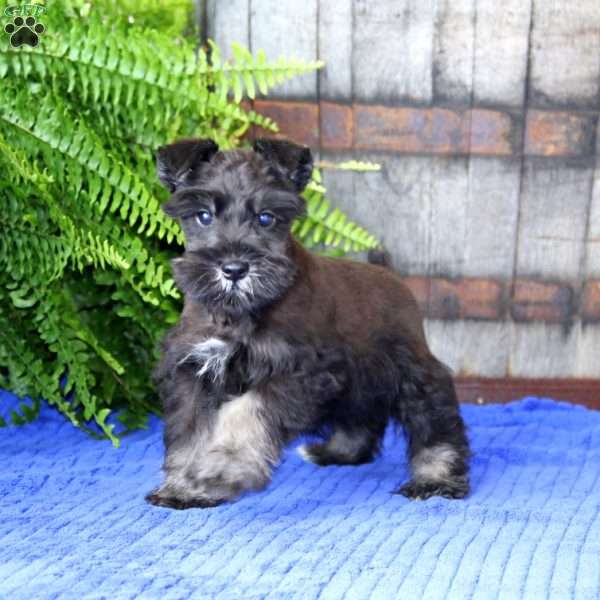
<point x="274" y="341"/>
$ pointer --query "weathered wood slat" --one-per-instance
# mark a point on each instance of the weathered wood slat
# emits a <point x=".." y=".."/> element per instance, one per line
<point x="473" y="214"/>
<point x="472" y="217"/>
<point x="447" y="222"/>
<point x="470" y="348"/>
<point x="543" y="350"/>
<point x="501" y="45"/>
<point x="480" y="52"/>
<point x="588" y="352"/>
<point x="565" y="54"/>
<point x="227" y="22"/>
<point x="287" y="29"/>
<point x="335" y="48"/>
<point x="393" y="50"/>
<point x="436" y="216"/>
<point x="548" y="350"/>
<point x="592" y="261"/>
<point x="394" y="202"/>
<point x="554" y="206"/>
<point x="453" y="52"/>
<point x="423" y="200"/>
<point x="491" y="217"/>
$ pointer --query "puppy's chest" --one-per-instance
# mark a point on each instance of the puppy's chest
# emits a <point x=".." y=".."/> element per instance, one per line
<point x="221" y="364"/>
<point x="228" y="367"/>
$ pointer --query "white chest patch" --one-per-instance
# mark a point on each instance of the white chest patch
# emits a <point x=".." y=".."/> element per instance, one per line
<point x="212" y="356"/>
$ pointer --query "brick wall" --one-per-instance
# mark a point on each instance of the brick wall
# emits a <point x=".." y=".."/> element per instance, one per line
<point x="484" y="117"/>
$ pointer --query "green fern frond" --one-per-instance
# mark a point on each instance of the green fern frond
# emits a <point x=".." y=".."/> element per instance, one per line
<point x="28" y="372"/>
<point x="86" y="292"/>
<point x="30" y="252"/>
<point x="349" y="165"/>
<point x="30" y="247"/>
<point x="327" y="227"/>
<point x="73" y="356"/>
<point x="149" y="75"/>
<point x="245" y="73"/>
<point x="112" y="185"/>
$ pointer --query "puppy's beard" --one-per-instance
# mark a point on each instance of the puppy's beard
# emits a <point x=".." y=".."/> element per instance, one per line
<point x="244" y="286"/>
<point x="227" y="285"/>
<point x="199" y="275"/>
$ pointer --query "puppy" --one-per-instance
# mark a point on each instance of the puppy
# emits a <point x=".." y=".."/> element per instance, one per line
<point x="274" y="341"/>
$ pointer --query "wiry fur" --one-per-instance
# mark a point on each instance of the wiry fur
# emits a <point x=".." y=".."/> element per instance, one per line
<point x="300" y="344"/>
<point x="212" y="356"/>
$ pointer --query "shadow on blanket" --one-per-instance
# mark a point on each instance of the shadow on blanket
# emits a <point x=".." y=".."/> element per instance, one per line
<point x="74" y="524"/>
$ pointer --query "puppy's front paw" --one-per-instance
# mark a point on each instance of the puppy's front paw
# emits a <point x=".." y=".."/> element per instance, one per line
<point x="167" y="499"/>
<point x="421" y="490"/>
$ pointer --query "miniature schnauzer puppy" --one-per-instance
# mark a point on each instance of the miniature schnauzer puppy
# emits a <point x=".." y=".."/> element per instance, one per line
<point x="275" y="342"/>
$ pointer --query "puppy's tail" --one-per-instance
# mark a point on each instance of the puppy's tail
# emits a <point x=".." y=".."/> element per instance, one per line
<point x="380" y="256"/>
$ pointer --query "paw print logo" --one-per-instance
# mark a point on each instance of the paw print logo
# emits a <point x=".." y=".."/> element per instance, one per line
<point x="24" y="31"/>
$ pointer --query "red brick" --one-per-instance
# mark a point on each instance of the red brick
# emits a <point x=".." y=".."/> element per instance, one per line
<point x="411" y="130"/>
<point x="336" y="126"/>
<point x="492" y="132"/>
<point x="554" y="133"/>
<point x="298" y="121"/>
<point x="591" y="301"/>
<point x="431" y="130"/>
<point x="467" y="298"/>
<point x="541" y="301"/>
<point x="419" y="286"/>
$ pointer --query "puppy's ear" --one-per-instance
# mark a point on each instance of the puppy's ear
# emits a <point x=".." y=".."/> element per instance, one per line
<point x="292" y="162"/>
<point x="180" y="163"/>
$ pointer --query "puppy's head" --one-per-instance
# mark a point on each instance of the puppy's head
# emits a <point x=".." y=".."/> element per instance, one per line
<point x="236" y="208"/>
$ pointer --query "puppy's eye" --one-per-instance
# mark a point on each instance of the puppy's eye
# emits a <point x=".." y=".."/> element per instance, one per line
<point x="266" y="219"/>
<point x="204" y="217"/>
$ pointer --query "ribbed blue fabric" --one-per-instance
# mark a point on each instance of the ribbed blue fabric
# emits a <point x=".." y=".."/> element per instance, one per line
<point x="73" y="522"/>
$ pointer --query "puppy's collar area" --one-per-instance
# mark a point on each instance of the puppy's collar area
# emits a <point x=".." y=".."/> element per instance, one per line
<point x="241" y="326"/>
<point x="222" y="320"/>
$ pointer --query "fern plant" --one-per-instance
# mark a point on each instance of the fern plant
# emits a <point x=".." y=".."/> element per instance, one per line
<point x="85" y="285"/>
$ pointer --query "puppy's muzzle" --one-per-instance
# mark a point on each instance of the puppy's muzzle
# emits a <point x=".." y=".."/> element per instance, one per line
<point x="235" y="269"/>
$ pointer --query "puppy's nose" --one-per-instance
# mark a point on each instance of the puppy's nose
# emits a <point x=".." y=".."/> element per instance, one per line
<point x="235" y="269"/>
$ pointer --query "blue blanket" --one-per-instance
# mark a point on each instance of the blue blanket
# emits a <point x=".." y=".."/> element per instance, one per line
<point x="73" y="522"/>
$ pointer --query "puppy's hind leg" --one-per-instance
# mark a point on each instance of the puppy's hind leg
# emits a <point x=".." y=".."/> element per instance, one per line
<point x="437" y="444"/>
<point x="347" y="446"/>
